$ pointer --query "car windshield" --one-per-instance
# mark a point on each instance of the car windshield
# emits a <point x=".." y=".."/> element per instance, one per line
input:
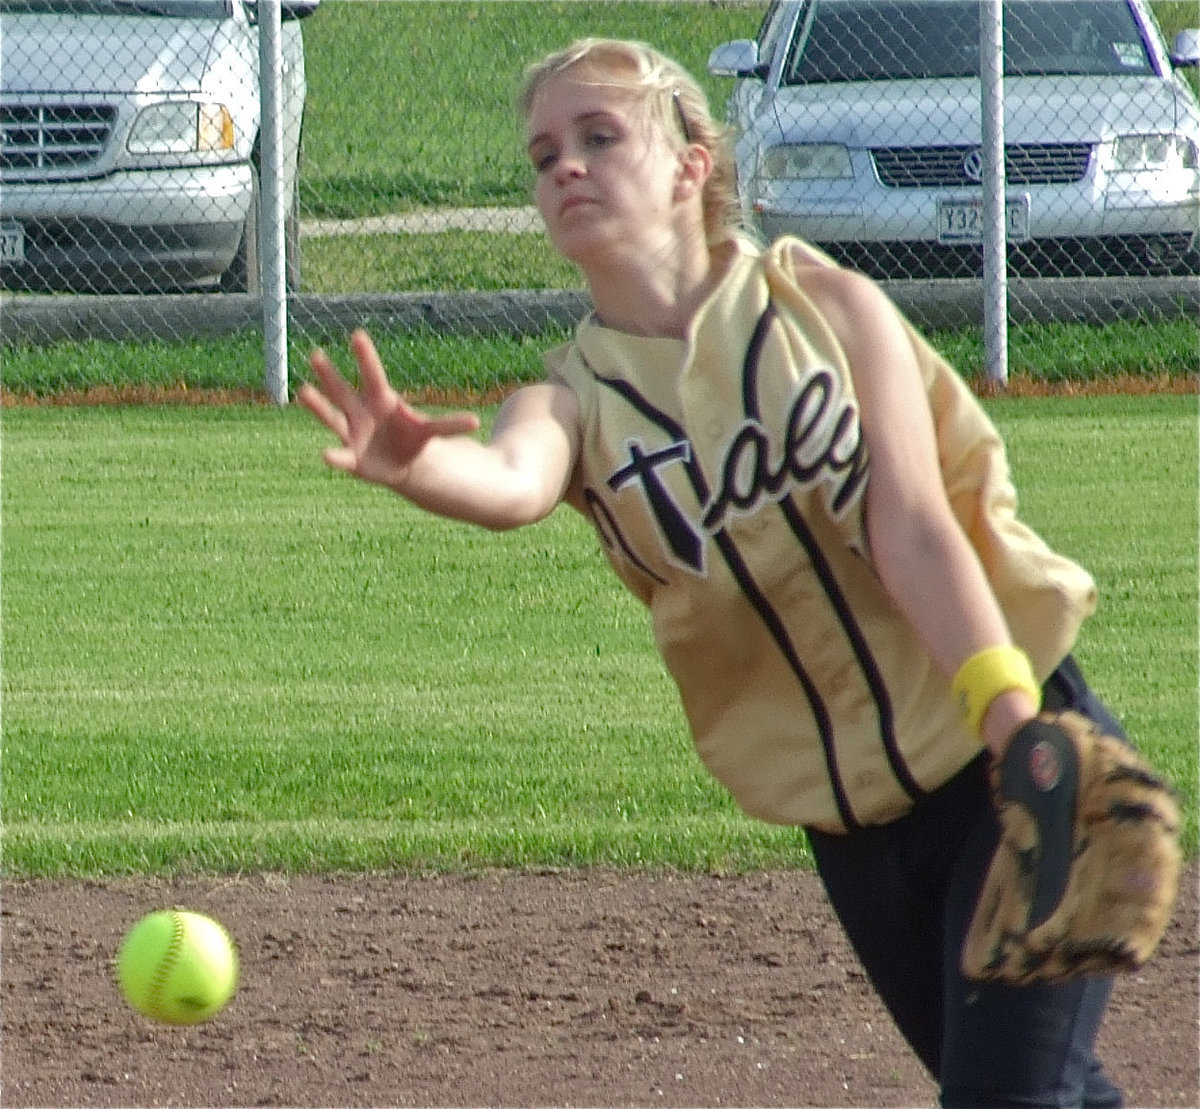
<point x="887" y="40"/>
<point x="178" y="9"/>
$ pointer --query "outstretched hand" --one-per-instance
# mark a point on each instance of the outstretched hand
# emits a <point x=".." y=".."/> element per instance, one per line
<point x="381" y="434"/>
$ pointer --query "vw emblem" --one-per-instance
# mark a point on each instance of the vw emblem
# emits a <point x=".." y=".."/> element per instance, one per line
<point x="972" y="165"/>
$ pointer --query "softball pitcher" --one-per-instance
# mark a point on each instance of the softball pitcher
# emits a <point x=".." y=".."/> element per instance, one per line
<point x="818" y="515"/>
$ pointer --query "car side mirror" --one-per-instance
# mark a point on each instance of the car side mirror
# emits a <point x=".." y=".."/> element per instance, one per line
<point x="1185" y="50"/>
<point x="737" y="59"/>
<point x="288" y="9"/>
<point x="298" y="9"/>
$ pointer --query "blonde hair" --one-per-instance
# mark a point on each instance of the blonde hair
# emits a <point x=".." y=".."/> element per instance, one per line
<point x="673" y="100"/>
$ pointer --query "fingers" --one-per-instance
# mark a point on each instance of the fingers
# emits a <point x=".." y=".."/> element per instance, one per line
<point x="376" y="392"/>
<point x="323" y="367"/>
<point x="379" y="395"/>
<point x="350" y="413"/>
<point x="318" y="404"/>
<point x="335" y="387"/>
<point x="375" y="386"/>
<point x="324" y="410"/>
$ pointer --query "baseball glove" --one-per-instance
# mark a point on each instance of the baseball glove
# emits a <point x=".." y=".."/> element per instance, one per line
<point x="1085" y="876"/>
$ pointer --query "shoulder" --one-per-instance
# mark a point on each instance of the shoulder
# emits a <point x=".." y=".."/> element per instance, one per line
<point x="821" y="279"/>
<point x="854" y="306"/>
<point x="566" y="369"/>
<point x="551" y="399"/>
<point x="869" y="329"/>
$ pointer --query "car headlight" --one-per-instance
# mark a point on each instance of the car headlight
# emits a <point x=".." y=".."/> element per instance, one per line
<point x="1156" y="153"/>
<point x="182" y="127"/>
<point x="807" y="161"/>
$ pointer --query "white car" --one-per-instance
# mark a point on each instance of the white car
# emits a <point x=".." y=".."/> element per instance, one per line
<point x="859" y="129"/>
<point x="129" y="143"/>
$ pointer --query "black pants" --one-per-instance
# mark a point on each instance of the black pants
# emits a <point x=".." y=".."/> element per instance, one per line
<point x="905" y="893"/>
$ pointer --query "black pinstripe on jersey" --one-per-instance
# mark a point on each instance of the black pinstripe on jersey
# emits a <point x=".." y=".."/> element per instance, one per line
<point x="725" y="473"/>
<point x="837" y="599"/>
<point x="743" y="575"/>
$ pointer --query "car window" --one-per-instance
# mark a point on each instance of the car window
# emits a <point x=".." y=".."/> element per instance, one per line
<point x="1069" y="36"/>
<point x="884" y="40"/>
<point x="769" y="31"/>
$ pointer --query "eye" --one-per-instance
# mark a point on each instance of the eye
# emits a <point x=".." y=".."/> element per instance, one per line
<point x="599" y="137"/>
<point x="542" y="159"/>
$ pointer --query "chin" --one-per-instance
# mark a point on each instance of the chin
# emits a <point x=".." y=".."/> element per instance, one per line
<point x="582" y="246"/>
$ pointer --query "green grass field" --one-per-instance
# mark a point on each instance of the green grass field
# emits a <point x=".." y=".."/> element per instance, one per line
<point x="220" y="656"/>
<point x="418" y="361"/>
<point x="412" y="105"/>
<point x="419" y="63"/>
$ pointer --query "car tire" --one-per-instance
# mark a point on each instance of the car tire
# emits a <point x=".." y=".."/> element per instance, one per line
<point x="291" y="242"/>
<point x="244" y="274"/>
<point x="1189" y="264"/>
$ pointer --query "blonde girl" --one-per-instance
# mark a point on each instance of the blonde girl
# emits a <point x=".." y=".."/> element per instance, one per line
<point x="819" y="518"/>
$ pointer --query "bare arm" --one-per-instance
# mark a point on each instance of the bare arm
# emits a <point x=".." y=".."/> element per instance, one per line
<point x="921" y="553"/>
<point x="515" y="478"/>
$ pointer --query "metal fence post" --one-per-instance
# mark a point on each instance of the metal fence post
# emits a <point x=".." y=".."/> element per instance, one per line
<point x="995" y="236"/>
<point x="271" y="214"/>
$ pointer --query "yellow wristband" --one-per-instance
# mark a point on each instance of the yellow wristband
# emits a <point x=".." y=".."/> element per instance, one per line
<point x="987" y="674"/>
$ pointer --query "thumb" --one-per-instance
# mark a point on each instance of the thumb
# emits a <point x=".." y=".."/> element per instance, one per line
<point x="341" y="458"/>
<point x="454" y="423"/>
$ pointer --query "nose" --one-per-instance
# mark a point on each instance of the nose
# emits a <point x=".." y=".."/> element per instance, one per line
<point x="568" y="166"/>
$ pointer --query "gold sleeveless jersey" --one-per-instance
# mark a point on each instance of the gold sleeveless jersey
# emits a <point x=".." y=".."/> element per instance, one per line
<point x="725" y="476"/>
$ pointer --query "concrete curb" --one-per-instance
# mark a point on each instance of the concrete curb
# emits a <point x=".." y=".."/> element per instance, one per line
<point x="42" y="320"/>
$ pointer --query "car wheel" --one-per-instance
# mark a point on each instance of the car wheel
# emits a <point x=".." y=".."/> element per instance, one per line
<point x="244" y="274"/>
<point x="1189" y="263"/>
<point x="291" y="243"/>
<point x="1170" y="255"/>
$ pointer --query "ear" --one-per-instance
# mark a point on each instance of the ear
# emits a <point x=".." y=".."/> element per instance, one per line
<point x="695" y="168"/>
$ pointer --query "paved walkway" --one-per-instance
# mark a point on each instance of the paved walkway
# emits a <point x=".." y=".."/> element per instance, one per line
<point x="521" y="221"/>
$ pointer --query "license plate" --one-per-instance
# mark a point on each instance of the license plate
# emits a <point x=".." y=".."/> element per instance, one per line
<point x="961" y="221"/>
<point x="12" y="242"/>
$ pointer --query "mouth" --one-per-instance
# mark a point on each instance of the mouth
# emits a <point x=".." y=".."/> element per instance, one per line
<point x="573" y="202"/>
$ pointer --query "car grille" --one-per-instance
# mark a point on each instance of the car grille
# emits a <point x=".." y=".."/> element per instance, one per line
<point x="53" y="137"/>
<point x="923" y="167"/>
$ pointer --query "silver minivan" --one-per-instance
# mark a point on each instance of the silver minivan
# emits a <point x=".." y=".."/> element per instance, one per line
<point x="129" y="153"/>
<point x="859" y="126"/>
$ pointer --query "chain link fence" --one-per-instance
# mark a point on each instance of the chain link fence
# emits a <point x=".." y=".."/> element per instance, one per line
<point x="132" y="160"/>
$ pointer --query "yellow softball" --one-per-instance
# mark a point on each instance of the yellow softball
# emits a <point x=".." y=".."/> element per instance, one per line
<point x="177" y="966"/>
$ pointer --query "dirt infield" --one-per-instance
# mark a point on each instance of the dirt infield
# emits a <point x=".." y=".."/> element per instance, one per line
<point x="556" y="989"/>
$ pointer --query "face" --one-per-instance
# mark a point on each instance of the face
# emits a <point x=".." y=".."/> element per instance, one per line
<point x="607" y="178"/>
